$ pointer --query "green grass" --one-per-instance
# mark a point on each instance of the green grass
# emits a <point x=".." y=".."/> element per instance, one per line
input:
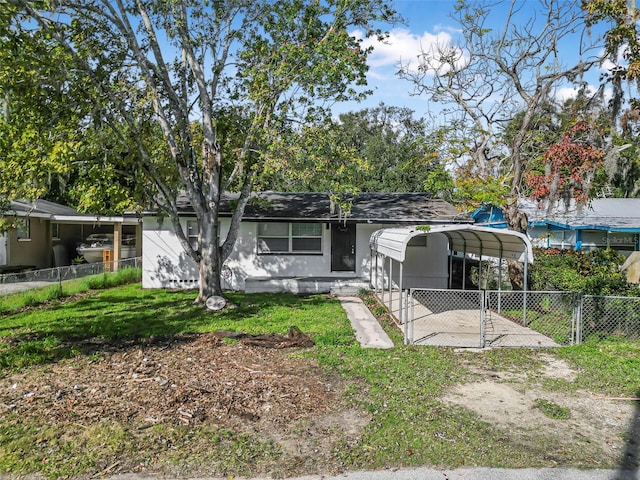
<point x="551" y="409"/>
<point x="611" y="368"/>
<point x="399" y="389"/>
<point x="47" y="334"/>
<point x="59" y="291"/>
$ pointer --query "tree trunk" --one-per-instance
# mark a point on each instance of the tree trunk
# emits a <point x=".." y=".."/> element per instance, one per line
<point x="518" y="222"/>
<point x="210" y="263"/>
<point x="209" y="277"/>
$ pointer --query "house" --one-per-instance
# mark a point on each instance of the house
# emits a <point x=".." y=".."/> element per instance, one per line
<point x="602" y="223"/>
<point x="45" y="234"/>
<point x="291" y="241"/>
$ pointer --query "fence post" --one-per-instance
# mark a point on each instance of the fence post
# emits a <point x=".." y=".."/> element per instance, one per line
<point x="578" y="318"/>
<point x="483" y="317"/>
<point x="411" y="317"/>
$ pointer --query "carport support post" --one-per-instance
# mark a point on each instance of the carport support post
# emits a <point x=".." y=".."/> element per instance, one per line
<point x="391" y="285"/>
<point x="464" y="267"/>
<point x="117" y="246"/>
<point x="412" y="316"/>
<point x="400" y="310"/>
<point x="382" y="289"/>
<point x="371" y="265"/>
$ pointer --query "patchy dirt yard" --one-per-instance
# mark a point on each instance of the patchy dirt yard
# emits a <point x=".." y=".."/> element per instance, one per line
<point x="595" y="424"/>
<point x="186" y="381"/>
<point x="279" y="396"/>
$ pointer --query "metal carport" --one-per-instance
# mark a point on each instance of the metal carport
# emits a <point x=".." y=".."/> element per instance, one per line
<point x="392" y="243"/>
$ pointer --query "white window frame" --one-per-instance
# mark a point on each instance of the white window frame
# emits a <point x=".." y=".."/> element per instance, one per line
<point x="192" y="233"/>
<point x="23" y="229"/>
<point x="55" y="231"/>
<point x="290" y="237"/>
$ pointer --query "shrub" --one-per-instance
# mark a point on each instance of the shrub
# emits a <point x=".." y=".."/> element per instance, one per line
<point x="596" y="272"/>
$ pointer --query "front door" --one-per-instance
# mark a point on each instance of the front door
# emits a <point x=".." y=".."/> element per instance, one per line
<point x="343" y="248"/>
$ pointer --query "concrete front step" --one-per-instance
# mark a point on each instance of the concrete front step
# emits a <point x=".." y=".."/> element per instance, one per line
<point x="305" y="285"/>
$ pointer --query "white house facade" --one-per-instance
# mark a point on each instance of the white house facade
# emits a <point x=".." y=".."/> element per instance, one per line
<point x="296" y="242"/>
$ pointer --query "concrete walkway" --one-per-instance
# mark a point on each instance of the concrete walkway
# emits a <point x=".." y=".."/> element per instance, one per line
<point x="368" y="331"/>
<point x="8" y="288"/>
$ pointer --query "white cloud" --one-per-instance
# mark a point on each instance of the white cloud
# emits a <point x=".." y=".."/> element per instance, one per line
<point x="567" y="93"/>
<point x="608" y="64"/>
<point x="403" y="47"/>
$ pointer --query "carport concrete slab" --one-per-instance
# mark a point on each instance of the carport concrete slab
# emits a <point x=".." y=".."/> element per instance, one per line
<point x="461" y="328"/>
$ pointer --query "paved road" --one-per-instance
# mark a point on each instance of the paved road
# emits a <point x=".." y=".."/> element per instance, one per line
<point x="457" y="474"/>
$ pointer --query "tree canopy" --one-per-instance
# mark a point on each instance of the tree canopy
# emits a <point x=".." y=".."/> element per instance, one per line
<point x="495" y="84"/>
<point x="379" y="149"/>
<point x="157" y="76"/>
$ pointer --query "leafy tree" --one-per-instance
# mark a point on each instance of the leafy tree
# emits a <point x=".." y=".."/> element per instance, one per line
<point x="53" y="141"/>
<point x="498" y="75"/>
<point x="622" y="45"/>
<point x="396" y="146"/>
<point x="381" y="149"/>
<point x="496" y="82"/>
<point x="176" y="65"/>
<point x="569" y="167"/>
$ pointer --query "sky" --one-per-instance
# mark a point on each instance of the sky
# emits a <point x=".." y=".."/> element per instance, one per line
<point x="429" y="22"/>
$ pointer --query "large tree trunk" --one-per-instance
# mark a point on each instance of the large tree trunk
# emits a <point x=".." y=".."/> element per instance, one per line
<point x="517" y="221"/>
<point x="209" y="277"/>
<point x="210" y="263"/>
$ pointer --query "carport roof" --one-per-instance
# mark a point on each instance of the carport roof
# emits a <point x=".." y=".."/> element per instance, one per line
<point x="482" y="241"/>
<point x="61" y="213"/>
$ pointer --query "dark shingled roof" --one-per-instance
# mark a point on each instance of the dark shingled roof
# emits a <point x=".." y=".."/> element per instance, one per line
<point x="407" y="208"/>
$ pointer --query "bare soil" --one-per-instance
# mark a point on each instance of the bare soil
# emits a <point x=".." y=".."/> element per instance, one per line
<point x="275" y="394"/>
<point x="189" y="381"/>
<point x="597" y="425"/>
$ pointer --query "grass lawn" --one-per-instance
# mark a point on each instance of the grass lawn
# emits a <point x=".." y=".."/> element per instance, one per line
<point x="400" y="390"/>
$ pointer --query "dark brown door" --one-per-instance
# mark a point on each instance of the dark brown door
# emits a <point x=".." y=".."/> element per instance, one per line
<point x="343" y="248"/>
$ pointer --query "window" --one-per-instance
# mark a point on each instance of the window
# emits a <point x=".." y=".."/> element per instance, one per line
<point x="55" y="231"/>
<point x="290" y="238"/>
<point x="23" y="225"/>
<point x="192" y="233"/>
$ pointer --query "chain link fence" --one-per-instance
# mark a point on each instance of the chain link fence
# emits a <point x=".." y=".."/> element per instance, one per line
<point x="550" y="313"/>
<point x="61" y="274"/>
<point x="445" y="317"/>
<point x="606" y="317"/>
<point x="482" y="318"/>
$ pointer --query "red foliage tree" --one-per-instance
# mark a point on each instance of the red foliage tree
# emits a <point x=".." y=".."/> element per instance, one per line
<point x="568" y="167"/>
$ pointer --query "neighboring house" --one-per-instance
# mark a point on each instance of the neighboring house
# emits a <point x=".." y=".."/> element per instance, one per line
<point x="603" y="222"/>
<point x="291" y="241"/>
<point x="46" y="234"/>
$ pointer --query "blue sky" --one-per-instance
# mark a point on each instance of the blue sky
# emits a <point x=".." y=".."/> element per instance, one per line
<point x="428" y="23"/>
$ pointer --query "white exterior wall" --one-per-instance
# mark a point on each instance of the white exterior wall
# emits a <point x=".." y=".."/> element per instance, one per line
<point x="424" y="267"/>
<point x="166" y="265"/>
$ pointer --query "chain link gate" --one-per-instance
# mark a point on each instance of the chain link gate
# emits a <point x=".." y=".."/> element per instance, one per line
<point x="479" y="318"/>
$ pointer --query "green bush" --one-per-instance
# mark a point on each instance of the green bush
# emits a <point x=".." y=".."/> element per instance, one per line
<point x="596" y="272"/>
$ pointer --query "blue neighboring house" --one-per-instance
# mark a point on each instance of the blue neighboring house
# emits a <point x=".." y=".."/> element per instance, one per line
<point x="603" y="222"/>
